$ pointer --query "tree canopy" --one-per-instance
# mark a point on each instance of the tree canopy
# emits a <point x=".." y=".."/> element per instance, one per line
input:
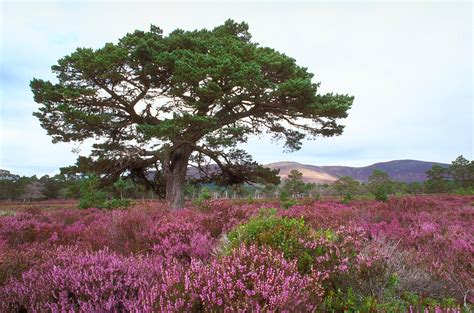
<point x="462" y="172"/>
<point x="294" y="184"/>
<point x="346" y="186"/>
<point x="163" y="102"/>
<point x="380" y="184"/>
<point x="437" y="181"/>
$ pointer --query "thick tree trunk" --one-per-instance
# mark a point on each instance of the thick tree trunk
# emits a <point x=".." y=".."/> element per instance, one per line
<point x="175" y="174"/>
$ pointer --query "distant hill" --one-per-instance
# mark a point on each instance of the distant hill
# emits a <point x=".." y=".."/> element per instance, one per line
<point x="399" y="170"/>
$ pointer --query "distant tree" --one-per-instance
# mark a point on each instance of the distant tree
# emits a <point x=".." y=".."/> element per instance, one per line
<point x="437" y="181"/>
<point x="8" y="185"/>
<point x="414" y="188"/>
<point x="7" y="189"/>
<point x="33" y="191"/>
<point x="270" y="190"/>
<point x="91" y="196"/>
<point x="52" y="186"/>
<point x="294" y="184"/>
<point x="380" y="185"/>
<point x="123" y="185"/>
<point x="309" y="189"/>
<point x="238" y="191"/>
<point x="162" y="102"/>
<point x="462" y="172"/>
<point x="346" y="186"/>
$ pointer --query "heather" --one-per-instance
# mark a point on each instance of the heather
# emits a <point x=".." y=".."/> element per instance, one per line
<point x="409" y="253"/>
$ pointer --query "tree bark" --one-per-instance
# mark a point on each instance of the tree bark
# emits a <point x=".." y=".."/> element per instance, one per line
<point x="175" y="169"/>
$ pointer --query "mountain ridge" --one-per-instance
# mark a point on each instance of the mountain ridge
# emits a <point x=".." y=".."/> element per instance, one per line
<point x="406" y="170"/>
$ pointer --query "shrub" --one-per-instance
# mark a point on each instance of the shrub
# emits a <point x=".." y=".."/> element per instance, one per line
<point x="424" y="260"/>
<point x="7" y="213"/>
<point x="91" y="197"/>
<point x="385" y="278"/>
<point x="180" y="240"/>
<point x="76" y="281"/>
<point x="347" y="198"/>
<point x="259" y="279"/>
<point x="120" y="231"/>
<point x="325" y="250"/>
<point x="285" y="201"/>
<point x="117" y="203"/>
<point x="464" y="191"/>
<point x="13" y="261"/>
<point x="380" y="194"/>
<point x="380" y="185"/>
<point x="284" y="234"/>
<point x="288" y="203"/>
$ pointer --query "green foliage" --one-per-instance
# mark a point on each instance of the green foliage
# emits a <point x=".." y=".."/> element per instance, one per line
<point x="269" y="190"/>
<point x="123" y="185"/>
<point x="414" y="188"/>
<point x="215" y="88"/>
<point x="365" y="197"/>
<point x="14" y="187"/>
<point x="284" y="234"/>
<point x="285" y="201"/>
<point x="462" y="172"/>
<point x="51" y="186"/>
<point x="391" y="301"/>
<point x="204" y="195"/>
<point x="347" y="198"/>
<point x="347" y="187"/>
<point x="294" y="184"/>
<point x="91" y="196"/>
<point x="464" y="191"/>
<point x="380" y="193"/>
<point x="437" y="180"/>
<point x="116" y="203"/>
<point x="380" y="185"/>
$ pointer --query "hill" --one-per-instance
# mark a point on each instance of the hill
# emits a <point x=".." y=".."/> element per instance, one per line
<point x="399" y="170"/>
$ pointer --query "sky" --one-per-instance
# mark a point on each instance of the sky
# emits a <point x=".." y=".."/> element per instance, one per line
<point x="409" y="66"/>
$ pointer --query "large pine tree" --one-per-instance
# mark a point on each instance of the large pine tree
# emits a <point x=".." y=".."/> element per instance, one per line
<point x="165" y="102"/>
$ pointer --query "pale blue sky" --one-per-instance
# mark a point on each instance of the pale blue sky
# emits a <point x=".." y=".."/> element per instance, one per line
<point x="408" y="64"/>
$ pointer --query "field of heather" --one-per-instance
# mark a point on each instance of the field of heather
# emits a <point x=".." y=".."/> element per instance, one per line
<point x="408" y="254"/>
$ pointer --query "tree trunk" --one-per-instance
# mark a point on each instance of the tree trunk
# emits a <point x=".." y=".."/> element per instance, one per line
<point x="175" y="173"/>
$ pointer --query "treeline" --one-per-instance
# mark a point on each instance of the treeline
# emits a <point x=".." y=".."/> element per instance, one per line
<point x="14" y="188"/>
<point x="457" y="178"/>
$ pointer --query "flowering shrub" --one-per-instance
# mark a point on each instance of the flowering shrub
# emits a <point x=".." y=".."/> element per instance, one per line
<point x="181" y="240"/>
<point x="70" y="280"/>
<point x="407" y="253"/>
<point x="102" y="281"/>
<point x="257" y="278"/>
<point x="284" y="234"/>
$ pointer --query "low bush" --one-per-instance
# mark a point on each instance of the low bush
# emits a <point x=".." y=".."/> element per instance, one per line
<point x="284" y="234"/>
<point x="285" y="201"/>
<point x="409" y="253"/>
<point x="72" y="280"/>
<point x="91" y="196"/>
<point x="116" y="203"/>
<point x="380" y="194"/>
<point x="257" y="278"/>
